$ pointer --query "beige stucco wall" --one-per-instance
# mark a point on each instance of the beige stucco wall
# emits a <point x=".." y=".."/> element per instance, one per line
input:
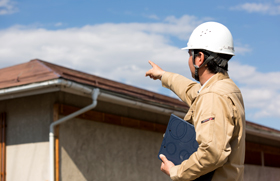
<point x="28" y="121"/>
<point x="259" y="173"/>
<point x="27" y="148"/>
<point x="99" y="151"/>
<point x="28" y="162"/>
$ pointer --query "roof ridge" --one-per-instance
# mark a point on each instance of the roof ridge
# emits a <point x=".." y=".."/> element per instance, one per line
<point x="46" y="66"/>
<point x="26" y="73"/>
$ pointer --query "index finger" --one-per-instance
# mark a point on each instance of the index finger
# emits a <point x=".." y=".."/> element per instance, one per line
<point x="152" y="63"/>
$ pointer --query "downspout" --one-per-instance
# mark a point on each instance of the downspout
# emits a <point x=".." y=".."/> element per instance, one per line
<point x="95" y="94"/>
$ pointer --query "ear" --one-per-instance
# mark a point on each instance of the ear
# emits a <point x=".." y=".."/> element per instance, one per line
<point x="199" y="59"/>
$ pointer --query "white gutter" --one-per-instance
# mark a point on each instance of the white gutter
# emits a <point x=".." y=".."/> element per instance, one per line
<point x="41" y="87"/>
<point x="137" y="104"/>
<point x="60" y="82"/>
<point x="95" y="94"/>
<point x="75" y="88"/>
<point x="263" y="134"/>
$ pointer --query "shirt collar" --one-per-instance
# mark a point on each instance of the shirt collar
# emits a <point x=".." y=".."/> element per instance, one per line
<point x="214" y="78"/>
<point x="204" y="84"/>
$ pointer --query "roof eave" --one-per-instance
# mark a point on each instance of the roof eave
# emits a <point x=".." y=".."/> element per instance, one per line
<point x="82" y="90"/>
<point x="263" y="134"/>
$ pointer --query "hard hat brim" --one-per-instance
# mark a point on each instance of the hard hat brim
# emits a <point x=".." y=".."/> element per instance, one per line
<point x="193" y="48"/>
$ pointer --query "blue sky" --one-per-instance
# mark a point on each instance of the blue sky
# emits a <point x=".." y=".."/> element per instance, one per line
<point x="115" y="40"/>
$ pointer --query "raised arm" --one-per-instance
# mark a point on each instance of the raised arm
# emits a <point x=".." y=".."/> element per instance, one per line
<point x="183" y="87"/>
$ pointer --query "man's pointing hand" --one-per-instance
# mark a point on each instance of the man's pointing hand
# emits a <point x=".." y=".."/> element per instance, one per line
<point x="155" y="72"/>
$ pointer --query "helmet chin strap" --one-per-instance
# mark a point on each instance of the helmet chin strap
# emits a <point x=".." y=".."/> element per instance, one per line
<point x="196" y="76"/>
<point x="212" y="56"/>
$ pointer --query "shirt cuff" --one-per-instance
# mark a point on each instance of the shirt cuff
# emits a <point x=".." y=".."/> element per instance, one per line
<point x="164" y="79"/>
<point x="173" y="172"/>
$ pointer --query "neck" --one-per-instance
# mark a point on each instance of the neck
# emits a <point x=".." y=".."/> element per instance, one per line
<point x="204" y="76"/>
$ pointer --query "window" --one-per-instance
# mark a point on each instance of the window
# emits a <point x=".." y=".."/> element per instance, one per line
<point x="259" y="154"/>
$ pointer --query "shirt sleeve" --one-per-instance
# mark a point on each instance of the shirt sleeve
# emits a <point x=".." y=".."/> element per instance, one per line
<point x="183" y="87"/>
<point x="214" y="129"/>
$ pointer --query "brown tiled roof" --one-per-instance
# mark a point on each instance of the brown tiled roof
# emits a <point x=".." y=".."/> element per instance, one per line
<point x="39" y="71"/>
<point x="26" y="73"/>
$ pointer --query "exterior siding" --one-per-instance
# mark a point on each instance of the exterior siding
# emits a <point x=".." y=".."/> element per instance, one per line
<point x="28" y="162"/>
<point x="99" y="151"/>
<point x="259" y="173"/>
<point x="27" y="146"/>
<point x="28" y="121"/>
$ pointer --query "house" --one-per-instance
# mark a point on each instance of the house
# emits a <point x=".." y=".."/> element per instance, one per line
<point x="63" y="124"/>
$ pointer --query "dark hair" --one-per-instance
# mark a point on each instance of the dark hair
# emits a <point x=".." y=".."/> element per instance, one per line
<point x="212" y="66"/>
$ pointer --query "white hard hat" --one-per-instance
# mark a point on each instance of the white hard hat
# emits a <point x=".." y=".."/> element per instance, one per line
<point x="213" y="37"/>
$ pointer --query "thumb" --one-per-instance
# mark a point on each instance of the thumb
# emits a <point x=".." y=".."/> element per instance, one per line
<point x="163" y="158"/>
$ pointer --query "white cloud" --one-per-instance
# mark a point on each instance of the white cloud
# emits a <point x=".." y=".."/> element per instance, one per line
<point x="58" y="24"/>
<point x="116" y="51"/>
<point x="242" y="49"/>
<point x="261" y="91"/>
<point x="152" y="16"/>
<point x="264" y="8"/>
<point x="121" y="52"/>
<point x="7" y="7"/>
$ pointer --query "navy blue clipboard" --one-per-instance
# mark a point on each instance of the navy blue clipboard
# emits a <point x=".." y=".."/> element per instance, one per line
<point x="179" y="140"/>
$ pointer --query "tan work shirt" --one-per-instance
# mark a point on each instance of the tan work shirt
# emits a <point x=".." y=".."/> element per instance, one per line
<point x="217" y="113"/>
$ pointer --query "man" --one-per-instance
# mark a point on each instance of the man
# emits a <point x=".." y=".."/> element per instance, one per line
<point x="216" y="108"/>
